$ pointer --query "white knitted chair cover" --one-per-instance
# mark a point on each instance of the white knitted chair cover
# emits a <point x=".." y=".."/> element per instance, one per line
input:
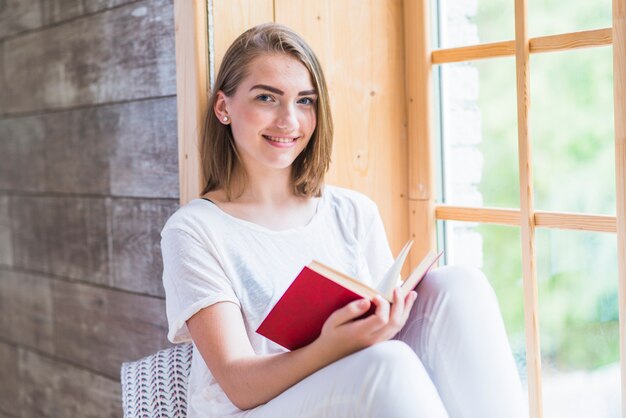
<point x="156" y="386"/>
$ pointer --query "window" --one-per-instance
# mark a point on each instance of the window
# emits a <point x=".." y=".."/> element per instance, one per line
<point x="560" y="269"/>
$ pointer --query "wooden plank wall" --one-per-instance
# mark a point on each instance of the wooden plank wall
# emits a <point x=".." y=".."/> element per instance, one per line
<point x="360" y="46"/>
<point x="88" y="177"/>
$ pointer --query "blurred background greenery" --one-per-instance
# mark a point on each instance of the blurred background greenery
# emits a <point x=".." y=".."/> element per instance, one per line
<point x="574" y="171"/>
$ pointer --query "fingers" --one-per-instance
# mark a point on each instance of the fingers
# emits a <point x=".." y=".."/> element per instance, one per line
<point x="398" y="308"/>
<point x="349" y="312"/>
<point x="409" y="301"/>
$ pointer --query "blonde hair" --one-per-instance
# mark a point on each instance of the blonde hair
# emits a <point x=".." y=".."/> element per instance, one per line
<point x="219" y="157"/>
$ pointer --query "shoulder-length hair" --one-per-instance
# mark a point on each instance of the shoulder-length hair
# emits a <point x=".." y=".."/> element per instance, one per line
<point x="219" y="158"/>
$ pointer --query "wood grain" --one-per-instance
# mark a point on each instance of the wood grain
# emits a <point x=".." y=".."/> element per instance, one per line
<point x="54" y="11"/>
<point x="126" y="53"/>
<point x="23" y="151"/>
<point x="135" y="243"/>
<point x="10" y="381"/>
<point x="232" y="18"/>
<point x="100" y="328"/>
<point x="29" y="226"/>
<point x="569" y="41"/>
<point x="619" y="94"/>
<point x="6" y="243"/>
<point x="92" y="6"/>
<point x="359" y="44"/>
<point x="497" y="216"/>
<point x="126" y="149"/>
<point x="19" y="15"/>
<point x="560" y="42"/>
<point x="192" y="87"/>
<point x="418" y="104"/>
<point x="473" y="52"/>
<point x="3" y="84"/>
<point x="52" y="388"/>
<point x="541" y="219"/>
<point x="63" y="236"/>
<point x="26" y="312"/>
<point x="144" y="162"/>
<point x="575" y="221"/>
<point x="531" y="311"/>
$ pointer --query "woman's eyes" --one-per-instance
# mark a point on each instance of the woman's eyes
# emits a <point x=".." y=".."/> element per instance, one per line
<point x="264" y="98"/>
<point x="306" y="101"/>
<point x="269" y="98"/>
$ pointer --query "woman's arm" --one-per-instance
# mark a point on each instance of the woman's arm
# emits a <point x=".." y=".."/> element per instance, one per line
<point x="250" y="380"/>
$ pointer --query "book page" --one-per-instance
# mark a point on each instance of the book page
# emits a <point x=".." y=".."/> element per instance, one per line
<point x="392" y="276"/>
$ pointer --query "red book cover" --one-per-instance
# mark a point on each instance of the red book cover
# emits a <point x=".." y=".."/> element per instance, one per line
<point x="297" y="318"/>
<point x="299" y="315"/>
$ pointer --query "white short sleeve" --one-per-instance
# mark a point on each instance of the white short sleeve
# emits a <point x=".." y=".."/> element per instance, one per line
<point x="193" y="279"/>
<point x="375" y="246"/>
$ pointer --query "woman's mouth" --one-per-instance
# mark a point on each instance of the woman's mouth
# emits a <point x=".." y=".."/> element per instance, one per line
<point x="280" y="139"/>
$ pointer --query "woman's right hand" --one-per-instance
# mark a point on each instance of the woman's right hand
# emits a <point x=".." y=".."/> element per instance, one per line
<point x="343" y="334"/>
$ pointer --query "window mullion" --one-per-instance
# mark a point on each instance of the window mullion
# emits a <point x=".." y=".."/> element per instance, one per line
<point x="531" y="314"/>
<point x="619" y="89"/>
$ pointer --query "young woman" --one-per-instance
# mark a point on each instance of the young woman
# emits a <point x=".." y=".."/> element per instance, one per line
<point x="264" y="214"/>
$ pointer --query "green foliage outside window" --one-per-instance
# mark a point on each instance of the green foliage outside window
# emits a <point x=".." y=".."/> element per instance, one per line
<point x="573" y="158"/>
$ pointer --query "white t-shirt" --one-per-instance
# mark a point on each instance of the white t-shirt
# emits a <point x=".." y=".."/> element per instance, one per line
<point x="210" y="256"/>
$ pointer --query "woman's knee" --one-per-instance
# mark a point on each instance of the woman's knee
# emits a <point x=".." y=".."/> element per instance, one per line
<point x="457" y="281"/>
<point x="397" y="382"/>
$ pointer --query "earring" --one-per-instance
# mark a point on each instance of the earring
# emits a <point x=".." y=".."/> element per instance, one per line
<point x="225" y="119"/>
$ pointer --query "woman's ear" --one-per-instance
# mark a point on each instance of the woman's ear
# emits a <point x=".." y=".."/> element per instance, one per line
<point x="221" y="108"/>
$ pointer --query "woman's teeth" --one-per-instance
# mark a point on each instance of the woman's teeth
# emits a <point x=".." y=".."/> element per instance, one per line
<point x="282" y="140"/>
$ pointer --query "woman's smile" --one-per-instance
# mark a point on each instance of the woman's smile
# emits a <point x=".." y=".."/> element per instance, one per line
<point x="281" y="141"/>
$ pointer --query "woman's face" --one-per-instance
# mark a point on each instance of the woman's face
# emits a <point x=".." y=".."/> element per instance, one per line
<point x="272" y="113"/>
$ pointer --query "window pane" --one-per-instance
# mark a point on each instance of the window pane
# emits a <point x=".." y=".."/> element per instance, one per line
<point x="578" y="317"/>
<point x="572" y="131"/>
<point x="485" y="247"/>
<point x="548" y="17"/>
<point x="479" y="131"/>
<point x="470" y="22"/>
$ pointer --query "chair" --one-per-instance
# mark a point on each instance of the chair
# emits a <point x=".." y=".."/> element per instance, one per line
<point x="156" y="385"/>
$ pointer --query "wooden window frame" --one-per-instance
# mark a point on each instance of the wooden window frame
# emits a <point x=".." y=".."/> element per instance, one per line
<point x="526" y="217"/>
<point x="192" y="67"/>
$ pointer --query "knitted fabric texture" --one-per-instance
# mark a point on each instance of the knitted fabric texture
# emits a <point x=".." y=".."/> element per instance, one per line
<point x="156" y="386"/>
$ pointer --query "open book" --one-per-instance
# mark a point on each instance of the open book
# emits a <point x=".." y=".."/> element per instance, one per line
<point x="297" y="318"/>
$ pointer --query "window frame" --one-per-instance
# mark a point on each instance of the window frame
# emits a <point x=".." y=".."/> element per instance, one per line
<point x="525" y="217"/>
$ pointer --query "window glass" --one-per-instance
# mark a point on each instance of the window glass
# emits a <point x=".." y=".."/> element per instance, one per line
<point x="572" y="131"/>
<point x="479" y="132"/>
<point x="578" y="316"/>
<point x="470" y="22"/>
<point x="549" y="17"/>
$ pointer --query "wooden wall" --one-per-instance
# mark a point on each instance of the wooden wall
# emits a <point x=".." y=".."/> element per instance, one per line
<point x="88" y="176"/>
<point x="360" y="46"/>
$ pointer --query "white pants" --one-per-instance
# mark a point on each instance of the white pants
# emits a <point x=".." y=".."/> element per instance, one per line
<point x="451" y="359"/>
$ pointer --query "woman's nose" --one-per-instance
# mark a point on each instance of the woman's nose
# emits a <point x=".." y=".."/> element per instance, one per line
<point x="286" y="119"/>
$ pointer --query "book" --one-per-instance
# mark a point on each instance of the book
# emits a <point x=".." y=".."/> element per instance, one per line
<point x="319" y="290"/>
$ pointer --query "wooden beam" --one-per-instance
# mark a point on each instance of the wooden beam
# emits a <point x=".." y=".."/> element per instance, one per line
<point x="561" y="42"/>
<point x="569" y="41"/>
<point x="419" y="126"/>
<point x="531" y="311"/>
<point x="484" y="215"/>
<point x="575" y="221"/>
<point x="474" y="52"/>
<point x="192" y="89"/>
<point x="542" y="219"/>
<point x="619" y="89"/>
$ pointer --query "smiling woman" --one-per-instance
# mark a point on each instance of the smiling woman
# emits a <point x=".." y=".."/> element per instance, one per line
<point x="270" y="107"/>
<point x="266" y="212"/>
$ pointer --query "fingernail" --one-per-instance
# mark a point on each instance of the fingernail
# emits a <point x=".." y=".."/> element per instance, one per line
<point x="362" y="303"/>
